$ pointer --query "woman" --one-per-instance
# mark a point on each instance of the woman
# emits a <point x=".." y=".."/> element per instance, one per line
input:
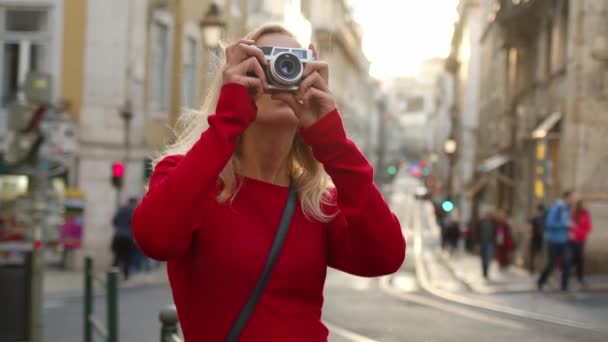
<point x="215" y="200"/>
<point x="504" y="240"/>
<point x="578" y="236"/>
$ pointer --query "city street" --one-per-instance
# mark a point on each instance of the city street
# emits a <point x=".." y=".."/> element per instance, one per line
<point x="431" y="305"/>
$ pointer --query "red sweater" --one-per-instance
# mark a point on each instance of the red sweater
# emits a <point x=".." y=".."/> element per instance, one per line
<point x="216" y="252"/>
<point x="582" y="228"/>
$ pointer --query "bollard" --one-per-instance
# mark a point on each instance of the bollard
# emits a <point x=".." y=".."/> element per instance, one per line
<point x="108" y="330"/>
<point x="112" y="302"/>
<point x="88" y="298"/>
<point x="168" y="319"/>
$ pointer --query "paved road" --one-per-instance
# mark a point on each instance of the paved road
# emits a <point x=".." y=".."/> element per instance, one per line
<point x="364" y="310"/>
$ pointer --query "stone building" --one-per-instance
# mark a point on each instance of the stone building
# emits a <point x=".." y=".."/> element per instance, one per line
<point x="464" y="66"/>
<point x="542" y="109"/>
<point x="338" y="40"/>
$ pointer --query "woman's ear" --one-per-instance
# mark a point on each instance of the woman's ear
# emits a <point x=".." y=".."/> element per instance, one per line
<point x="315" y="54"/>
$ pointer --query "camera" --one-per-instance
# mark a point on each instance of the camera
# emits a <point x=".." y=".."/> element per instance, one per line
<point x="285" y="67"/>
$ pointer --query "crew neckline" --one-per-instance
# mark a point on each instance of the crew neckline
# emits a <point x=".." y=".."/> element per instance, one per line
<point x="261" y="183"/>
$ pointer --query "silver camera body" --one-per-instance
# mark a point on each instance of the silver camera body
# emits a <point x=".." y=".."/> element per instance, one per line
<point x="285" y="67"/>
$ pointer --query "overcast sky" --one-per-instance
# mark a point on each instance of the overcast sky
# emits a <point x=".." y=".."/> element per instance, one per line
<point x="400" y="34"/>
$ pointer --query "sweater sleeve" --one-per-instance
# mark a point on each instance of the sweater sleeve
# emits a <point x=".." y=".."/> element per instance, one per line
<point x="167" y="217"/>
<point x="364" y="238"/>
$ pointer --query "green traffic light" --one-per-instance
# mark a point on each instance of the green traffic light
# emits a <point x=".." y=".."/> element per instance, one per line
<point x="392" y="170"/>
<point x="447" y="206"/>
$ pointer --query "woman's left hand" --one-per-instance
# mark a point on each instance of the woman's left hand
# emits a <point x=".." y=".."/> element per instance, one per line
<point x="313" y="99"/>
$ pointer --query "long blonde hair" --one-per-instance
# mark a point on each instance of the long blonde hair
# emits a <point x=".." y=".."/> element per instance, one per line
<point x="309" y="177"/>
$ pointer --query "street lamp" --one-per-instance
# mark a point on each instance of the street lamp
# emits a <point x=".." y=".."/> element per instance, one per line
<point x="450" y="146"/>
<point x="212" y="26"/>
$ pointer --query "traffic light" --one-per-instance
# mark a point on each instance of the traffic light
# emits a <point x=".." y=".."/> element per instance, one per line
<point x="447" y="206"/>
<point x="392" y="170"/>
<point x="118" y="172"/>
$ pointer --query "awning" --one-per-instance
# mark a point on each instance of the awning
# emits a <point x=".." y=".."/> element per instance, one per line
<point x="493" y="162"/>
<point x="546" y="125"/>
<point x="470" y="189"/>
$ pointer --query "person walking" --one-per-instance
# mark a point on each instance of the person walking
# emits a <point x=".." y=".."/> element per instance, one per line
<point x="122" y="243"/>
<point x="578" y="236"/>
<point x="452" y="231"/>
<point x="557" y="224"/>
<point x="504" y="239"/>
<point x="243" y="211"/>
<point x="487" y="239"/>
<point x="537" y="228"/>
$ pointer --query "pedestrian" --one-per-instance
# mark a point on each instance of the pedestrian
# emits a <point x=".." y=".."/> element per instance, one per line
<point x="71" y="237"/>
<point x="487" y="239"/>
<point x="440" y="217"/>
<point x="452" y="231"/>
<point x="537" y="228"/>
<point x="557" y="224"/>
<point x="504" y="239"/>
<point x="578" y="236"/>
<point x="122" y="242"/>
<point x="219" y="192"/>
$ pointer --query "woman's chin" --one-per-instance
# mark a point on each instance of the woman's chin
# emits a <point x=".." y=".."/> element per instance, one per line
<point x="278" y="116"/>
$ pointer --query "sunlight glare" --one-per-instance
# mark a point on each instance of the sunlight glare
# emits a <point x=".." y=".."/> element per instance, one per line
<point x="400" y="34"/>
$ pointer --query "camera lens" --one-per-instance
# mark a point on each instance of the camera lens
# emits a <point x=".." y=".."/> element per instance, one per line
<point x="287" y="69"/>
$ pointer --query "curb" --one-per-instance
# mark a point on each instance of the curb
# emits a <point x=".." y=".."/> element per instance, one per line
<point x="158" y="280"/>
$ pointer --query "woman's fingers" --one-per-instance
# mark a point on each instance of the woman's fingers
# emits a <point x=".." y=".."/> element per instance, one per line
<point x="314" y="80"/>
<point x="314" y="94"/>
<point x="251" y="65"/>
<point x="320" y="67"/>
<point x="243" y="51"/>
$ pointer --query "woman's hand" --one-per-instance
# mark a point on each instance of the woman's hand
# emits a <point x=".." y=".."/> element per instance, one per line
<point x="313" y="99"/>
<point x="243" y="59"/>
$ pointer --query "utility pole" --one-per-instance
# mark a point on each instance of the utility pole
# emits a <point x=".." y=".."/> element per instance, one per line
<point x="382" y="107"/>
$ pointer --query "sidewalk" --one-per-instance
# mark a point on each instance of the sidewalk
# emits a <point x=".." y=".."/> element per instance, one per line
<point x="71" y="283"/>
<point x="467" y="268"/>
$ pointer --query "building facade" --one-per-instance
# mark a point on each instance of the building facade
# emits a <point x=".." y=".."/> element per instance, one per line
<point x="338" y="40"/>
<point x="542" y="109"/>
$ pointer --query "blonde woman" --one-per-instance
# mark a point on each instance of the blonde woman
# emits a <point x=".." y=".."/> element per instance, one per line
<point x="217" y="194"/>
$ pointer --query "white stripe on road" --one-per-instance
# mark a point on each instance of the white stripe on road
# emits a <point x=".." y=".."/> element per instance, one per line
<point x="347" y="334"/>
<point x="421" y="300"/>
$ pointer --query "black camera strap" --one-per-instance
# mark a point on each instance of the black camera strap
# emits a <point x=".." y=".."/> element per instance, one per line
<point x="247" y="310"/>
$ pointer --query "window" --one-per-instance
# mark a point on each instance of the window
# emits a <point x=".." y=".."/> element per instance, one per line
<point x="160" y="76"/>
<point x="189" y="70"/>
<point x="23" y="48"/>
<point x="24" y="20"/>
<point x="559" y="36"/>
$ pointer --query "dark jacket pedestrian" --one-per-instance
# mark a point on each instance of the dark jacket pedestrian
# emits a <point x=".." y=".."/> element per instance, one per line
<point x="578" y="237"/>
<point x="487" y="239"/>
<point x="122" y="243"/>
<point x="452" y="231"/>
<point x="557" y="224"/>
<point x="537" y="229"/>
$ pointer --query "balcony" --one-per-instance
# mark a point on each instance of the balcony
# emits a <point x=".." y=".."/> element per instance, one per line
<point x="520" y="19"/>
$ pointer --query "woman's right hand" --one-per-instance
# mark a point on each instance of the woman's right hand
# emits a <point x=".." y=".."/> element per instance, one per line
<point x="243" y="59"/>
